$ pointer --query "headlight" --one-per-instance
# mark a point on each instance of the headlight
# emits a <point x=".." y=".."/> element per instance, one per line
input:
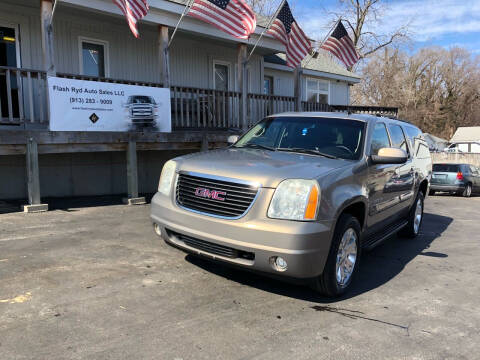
<point x="295" y="199"/>
<point x="166" y="178"/>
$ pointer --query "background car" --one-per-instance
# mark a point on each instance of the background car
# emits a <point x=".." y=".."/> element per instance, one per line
<point x="461" y="179"/>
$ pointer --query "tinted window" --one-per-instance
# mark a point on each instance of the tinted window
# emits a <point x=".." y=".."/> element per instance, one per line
<point x="336" y="137"/>
<point x="446" y="168"/>
<point x="93" y="59"/>
<point x="398" y="138"/>
<point x="380" y="138"/>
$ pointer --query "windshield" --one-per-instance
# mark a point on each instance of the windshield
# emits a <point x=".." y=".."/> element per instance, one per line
<point x="330" y="137"/>
<point x="140" y="99"/>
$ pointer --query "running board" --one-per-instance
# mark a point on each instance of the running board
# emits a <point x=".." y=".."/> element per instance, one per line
<point x="375" y="240"/>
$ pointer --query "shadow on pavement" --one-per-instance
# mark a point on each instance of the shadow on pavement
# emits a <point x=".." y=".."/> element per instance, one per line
<point x="69" y="204"/>
<point x="377" y="268"/>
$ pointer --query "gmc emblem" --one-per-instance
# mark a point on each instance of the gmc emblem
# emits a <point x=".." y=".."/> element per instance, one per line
<point x="210" y="194"/>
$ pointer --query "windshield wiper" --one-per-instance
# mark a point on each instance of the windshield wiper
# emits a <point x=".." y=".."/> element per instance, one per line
<point x="257" y="146"/>
<point x="307" y="151"/>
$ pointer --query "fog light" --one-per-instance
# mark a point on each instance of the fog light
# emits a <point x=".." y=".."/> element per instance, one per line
<point x="278" y="263"/>
<point x="157" y="229"/>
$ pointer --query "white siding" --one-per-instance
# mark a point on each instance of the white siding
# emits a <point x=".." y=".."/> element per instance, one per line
<point x="282" y="82"/>
<point x="339" y="93"/>
<point x="284" y="85"/>
<point x="338" y="90"/>
<point x="191" y="59"/>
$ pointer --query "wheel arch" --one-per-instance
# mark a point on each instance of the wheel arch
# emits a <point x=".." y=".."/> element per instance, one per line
<point x="357" y="207"/>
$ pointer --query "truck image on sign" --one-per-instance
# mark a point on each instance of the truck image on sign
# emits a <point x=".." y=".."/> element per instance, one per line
<point x="141" y="109"/>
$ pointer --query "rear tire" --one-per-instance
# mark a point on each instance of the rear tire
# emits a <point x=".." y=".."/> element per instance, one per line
<point x="342" y="262"/>
<point x="431" y="192"/>
<point x="415" y="218"/>
<point x="468" y="191"/>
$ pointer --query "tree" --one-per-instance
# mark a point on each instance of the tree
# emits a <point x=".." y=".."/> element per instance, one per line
<point x="435" y="88"/>
<point x="362" y="18"/>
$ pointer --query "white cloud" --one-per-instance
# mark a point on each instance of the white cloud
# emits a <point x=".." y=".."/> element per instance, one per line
<point x="429" y="19"/>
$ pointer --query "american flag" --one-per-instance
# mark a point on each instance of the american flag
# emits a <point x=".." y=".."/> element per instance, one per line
<point x="234" y="17"/>
<point x="286" y="29"/>
<point x="340" y="45"/>
<point x="133" y="10"/>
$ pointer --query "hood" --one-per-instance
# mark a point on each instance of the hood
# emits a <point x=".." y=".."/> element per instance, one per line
<point x="268" y="168"/>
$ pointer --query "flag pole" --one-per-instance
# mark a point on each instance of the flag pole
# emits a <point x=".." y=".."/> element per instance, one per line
<point x="185" y="11"/>
<point x="266" y="29"/>
<point x="330" y="32"/>
<point x="324" y="40"/>
<point x="53" y="10"/>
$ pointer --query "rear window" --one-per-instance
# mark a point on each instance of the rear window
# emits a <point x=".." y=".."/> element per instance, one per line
<point x="445" y="168"/>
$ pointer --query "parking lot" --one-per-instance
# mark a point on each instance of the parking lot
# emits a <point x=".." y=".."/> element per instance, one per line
<point x="96" y="282"/>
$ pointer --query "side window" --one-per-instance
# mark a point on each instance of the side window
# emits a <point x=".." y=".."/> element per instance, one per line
<point x="379" y="139"/>
<point x="414" y="135"/>
<point x="398" y="137"/>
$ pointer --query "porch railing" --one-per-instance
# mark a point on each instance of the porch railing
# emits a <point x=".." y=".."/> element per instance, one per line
<point x="22" y="96"/>
<point x="23" y="100"/>
<point x="204" y="108"/>
<point x="260" y="105"/>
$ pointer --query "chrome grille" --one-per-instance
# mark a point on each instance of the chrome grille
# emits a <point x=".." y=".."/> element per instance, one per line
<point x="141" y="110"/>
<point x="238" y="197"/>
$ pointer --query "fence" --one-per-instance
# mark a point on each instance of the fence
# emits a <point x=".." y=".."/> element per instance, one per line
<point x="260" y="106"/>
<point x="22" y="96"/>
<point x="459" y="158"/>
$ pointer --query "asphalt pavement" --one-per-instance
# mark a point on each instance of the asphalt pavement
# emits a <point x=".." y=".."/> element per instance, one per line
<point x="95" y="282"/>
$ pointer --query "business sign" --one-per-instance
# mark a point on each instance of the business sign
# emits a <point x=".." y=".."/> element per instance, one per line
<point x="81" y="105"/>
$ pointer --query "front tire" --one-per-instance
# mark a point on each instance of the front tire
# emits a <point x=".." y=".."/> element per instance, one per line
<point x="415" y="218"/>
<point x="343" y="259"/>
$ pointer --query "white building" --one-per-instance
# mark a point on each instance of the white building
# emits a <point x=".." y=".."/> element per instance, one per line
<point x="466" y="139"/>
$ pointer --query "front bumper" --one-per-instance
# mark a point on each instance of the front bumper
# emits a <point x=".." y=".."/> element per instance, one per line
<point x="304" y="245"/>
<point x="447" y="187"/>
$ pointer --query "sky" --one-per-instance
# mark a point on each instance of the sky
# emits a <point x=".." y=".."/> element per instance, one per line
<point x="443" y="23"/>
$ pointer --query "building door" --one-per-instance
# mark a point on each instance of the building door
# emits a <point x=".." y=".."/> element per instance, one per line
<point x="9" y="57"/>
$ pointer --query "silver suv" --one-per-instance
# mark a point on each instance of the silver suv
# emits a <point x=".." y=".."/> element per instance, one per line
<point x="299" y="195"/>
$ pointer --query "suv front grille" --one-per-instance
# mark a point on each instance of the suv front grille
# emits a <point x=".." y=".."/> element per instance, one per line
<point x="199" y="194"/>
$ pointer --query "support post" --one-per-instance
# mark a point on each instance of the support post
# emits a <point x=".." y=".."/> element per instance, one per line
<point x="204" y="145"/>
<point x="33" y="179"/>
<point x="242" y="84"/>
<point x="47" y="36"/>
<point x="132" y="176"/>
<point x="164" y="54"/>
<point x="297" y="75"/>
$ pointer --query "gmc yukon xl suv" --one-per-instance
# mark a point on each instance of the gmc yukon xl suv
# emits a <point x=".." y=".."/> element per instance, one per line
<point x="298" y="195"/>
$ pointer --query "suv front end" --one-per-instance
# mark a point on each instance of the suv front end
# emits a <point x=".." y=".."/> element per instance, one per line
<point x="227" y="219"/>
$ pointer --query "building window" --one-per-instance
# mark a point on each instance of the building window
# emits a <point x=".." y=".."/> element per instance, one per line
<point x="268" y="85"/>
<point x="93" y="57"/>
<point x="317" y="91"/>
<point x="221" y="75"/>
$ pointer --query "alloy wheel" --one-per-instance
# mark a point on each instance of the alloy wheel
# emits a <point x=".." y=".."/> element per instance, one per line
<point x="346" y="257"/>
<point x="418" y="216"/>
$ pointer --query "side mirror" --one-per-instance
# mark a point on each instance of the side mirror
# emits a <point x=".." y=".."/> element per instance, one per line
<point x="232" y="139"/>
<point x="390" y="156"/>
